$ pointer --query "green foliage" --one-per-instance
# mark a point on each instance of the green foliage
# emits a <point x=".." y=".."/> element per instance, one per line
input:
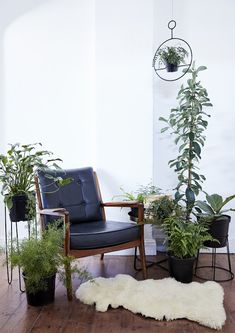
<point x="184" y="237"/>
<point x="43" y="257"/>
<point x="172" y="55"/>
<point x="159" y="210"/>
<point x="17" y="171"/>
<point x="213" y="205"/>
<point x="187" y="123"/>
<point x="38" y="257"/>
<point x="141" y="194"/>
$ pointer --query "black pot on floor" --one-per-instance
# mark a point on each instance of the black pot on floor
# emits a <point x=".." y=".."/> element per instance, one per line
<point x="19" y="210"/>
<point x="42" y="297"/>
<point x="181" y="269"/>
<point x="218" y="229"/>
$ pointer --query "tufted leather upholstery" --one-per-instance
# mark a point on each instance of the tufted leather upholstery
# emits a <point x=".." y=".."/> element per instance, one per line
<point x="80" y="198"/>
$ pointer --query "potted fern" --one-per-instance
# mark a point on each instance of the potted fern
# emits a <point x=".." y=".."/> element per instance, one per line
<point x="172" y="57"/>
<point x="40" y="258"/>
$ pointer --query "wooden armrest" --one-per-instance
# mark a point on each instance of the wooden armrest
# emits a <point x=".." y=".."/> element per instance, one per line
<point x="54" y="212"/>
<point x="130" y="204"/>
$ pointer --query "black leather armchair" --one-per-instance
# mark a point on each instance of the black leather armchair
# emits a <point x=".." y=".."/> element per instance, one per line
<point x="87" y="232"/>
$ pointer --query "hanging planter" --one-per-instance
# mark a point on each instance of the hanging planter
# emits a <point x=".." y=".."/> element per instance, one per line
<point x="173" y="54"/>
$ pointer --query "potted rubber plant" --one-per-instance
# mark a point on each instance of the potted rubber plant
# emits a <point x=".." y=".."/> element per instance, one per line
<point x="185" y="238"/>
<point x="17" y="171"/>
<point x="187" y="122"/>
<point x="212" y="210"/>
<point x="172" y="57"/>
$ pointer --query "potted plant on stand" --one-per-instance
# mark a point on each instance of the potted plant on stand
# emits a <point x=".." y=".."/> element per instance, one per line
<point x="17" y="171"/>
<point x="172" y="57"/>
<point x="218" y="222"/>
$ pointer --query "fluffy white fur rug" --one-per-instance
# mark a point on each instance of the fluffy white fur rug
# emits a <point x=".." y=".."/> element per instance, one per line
<point x="158" y="299"/>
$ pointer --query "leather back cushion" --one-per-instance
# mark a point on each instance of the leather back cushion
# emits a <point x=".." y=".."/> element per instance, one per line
<point x="80" y="198"/>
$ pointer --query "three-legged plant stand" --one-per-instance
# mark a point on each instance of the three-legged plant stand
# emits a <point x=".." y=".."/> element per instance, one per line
<point x="214" y="267"/>
<point x="9" y="244"/>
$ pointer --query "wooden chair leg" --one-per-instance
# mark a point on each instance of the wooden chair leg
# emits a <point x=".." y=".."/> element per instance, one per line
<point x="102" y="256"/>
<point x="143" y="259"/>
<point x="68" y="279"/>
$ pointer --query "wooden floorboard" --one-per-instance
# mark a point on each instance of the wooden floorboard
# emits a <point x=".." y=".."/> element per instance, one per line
<point x="70" y="317"/>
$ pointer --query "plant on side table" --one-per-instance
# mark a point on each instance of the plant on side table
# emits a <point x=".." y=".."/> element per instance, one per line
<point x="218" y="222"/>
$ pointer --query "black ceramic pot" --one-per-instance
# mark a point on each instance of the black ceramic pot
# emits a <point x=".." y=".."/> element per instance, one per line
<point x="218" y="229"/>
<point x="42" y="297"/>
<point x="181" y="269"/>
<point x="171" y="67"/>
<point x="19" y="211"/>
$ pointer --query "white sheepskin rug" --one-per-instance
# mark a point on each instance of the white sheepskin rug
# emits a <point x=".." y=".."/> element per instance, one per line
<point x="158" y="299"/>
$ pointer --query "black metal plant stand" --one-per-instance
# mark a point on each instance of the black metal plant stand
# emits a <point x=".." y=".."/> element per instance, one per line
<point x="214" y="266"/>
<point x="8" y="247"/>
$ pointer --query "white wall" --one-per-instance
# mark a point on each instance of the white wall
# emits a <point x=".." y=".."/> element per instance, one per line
<point x="81" y="85"/>
<point x="208" y="26"/>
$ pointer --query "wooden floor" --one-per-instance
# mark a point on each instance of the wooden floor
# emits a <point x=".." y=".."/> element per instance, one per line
<point x="69" y="317"/>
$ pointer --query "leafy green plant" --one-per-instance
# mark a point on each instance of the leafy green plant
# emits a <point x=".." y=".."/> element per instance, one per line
<point x="17" y="171"/>
<point x="213" y="205"/>
<point x="42" y="257"/>
<point x="172" y="55"/>
<point x="184" y="237"/>
<point x="159" y="210"/>
<point x="187" y="123"/>
<point x="141" y="194"/>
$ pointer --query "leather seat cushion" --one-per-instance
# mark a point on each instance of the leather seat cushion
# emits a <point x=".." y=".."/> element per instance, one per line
<point x="91" y="235"/>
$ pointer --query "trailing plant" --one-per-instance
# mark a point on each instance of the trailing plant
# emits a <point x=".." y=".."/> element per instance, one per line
<point x="185" y="237"/>
<point x="187" y="123"/>
<point x="159" y="209"/>
<point x="213" y="205"/>
<point x="172" y="55"/>
<point x="17" y="171"/>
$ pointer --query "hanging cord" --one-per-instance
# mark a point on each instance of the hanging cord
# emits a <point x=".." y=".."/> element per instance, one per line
<point x="172" y="9"/>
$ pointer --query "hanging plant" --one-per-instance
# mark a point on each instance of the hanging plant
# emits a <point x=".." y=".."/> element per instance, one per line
<point x="172" y="57"/>
<point x="188" y="122"/>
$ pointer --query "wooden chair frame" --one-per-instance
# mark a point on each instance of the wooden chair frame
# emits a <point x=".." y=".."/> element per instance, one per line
<point x="63" y="213"/>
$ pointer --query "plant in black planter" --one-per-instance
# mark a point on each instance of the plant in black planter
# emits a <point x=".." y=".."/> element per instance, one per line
<point x="40" y="260"/>
<point x="185" y="238"/>
<point x="187" y="123"/>
<point x="212" y="211"/>
<point x="172" y="57"/>
<point x="17" y="171"/>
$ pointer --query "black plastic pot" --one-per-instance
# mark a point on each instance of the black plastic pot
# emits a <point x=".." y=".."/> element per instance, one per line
<point x="218" y="229"/>
<point x="181" y="269"/>
<point x="171" y="67"/>
<point x="133" y="213"/>
<point x="42" y="297"/>
<point x="19" y="211"/>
